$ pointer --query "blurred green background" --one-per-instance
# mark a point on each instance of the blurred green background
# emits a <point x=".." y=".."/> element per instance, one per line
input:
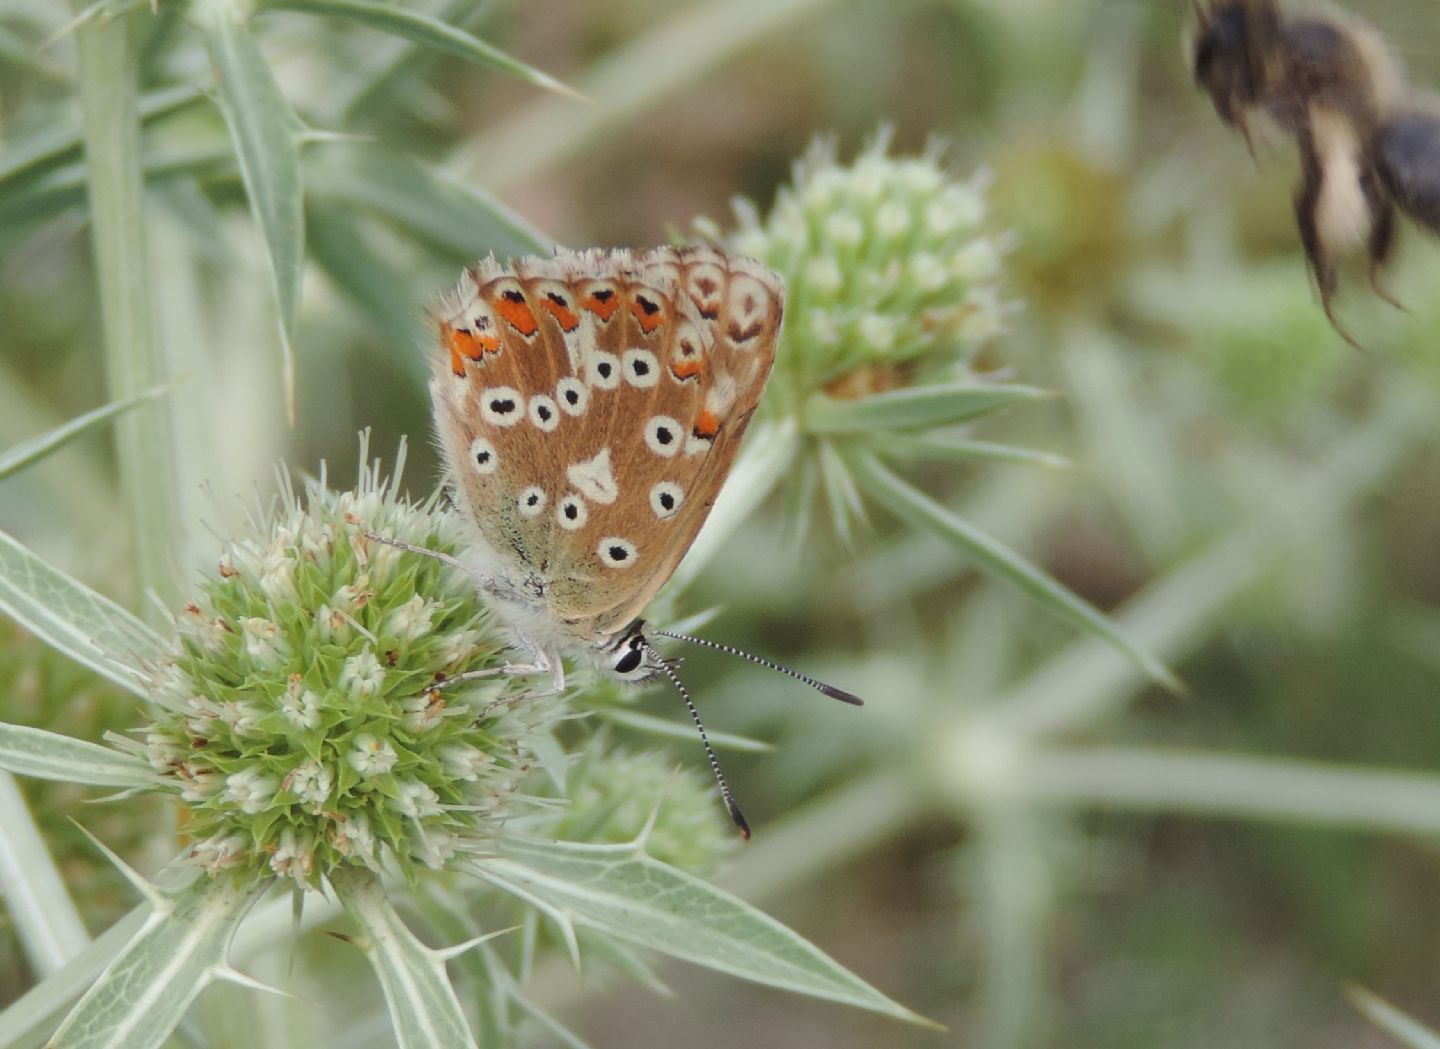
<point x="1019" y="835"/>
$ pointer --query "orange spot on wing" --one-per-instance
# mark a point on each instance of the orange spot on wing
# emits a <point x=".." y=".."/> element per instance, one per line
<point x="648" y="321"/>
<point x="517" y="315"/>
<point x="685" y="369"/>
<point x="706" y="424"/>
<point x="465" y="345"/>
<point x="604" y="308"/>
<point x="567" y="319"/>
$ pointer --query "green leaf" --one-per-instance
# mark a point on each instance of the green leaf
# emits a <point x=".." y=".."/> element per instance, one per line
<point x="999" y="560"/>
<point x="24" y="454"/>
<point x="1400" y="1026"/>
<point x="264" y="131"/>
<point x="945" y="447"/>
<point x="428" y="31"/>
<point x="65" y="613"/>
<point x="915" y="407"/>
<point x="459" y="218"/>
<point x="29" y="1021"/>
<point x="619" y="891"/>
<point x="423" y="1006"/>
<point x="62" y="142"/>
<point x="143" y="994"/>
<point x="49" y="755"/>
<point x="655" y="726"/>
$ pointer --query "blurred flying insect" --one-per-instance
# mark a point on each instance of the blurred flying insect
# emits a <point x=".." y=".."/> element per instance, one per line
<point x="1368" y="144"/>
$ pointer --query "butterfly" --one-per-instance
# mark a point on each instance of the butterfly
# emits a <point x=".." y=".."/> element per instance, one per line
<point x="588" y="408"/>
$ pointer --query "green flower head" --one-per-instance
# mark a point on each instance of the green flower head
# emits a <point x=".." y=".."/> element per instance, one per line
<point x="302" y="715"/>
<point x="887" y="267"/>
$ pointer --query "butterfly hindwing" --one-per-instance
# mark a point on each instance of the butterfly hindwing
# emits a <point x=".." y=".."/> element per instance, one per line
<point x="589" y="408"/>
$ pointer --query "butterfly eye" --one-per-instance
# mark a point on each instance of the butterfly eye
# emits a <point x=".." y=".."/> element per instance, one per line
<point x="630" y="661"/>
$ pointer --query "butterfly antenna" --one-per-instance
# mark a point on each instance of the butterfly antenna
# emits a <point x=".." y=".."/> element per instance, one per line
<point x="726" y="796"/>
<point x="818" y="686"/>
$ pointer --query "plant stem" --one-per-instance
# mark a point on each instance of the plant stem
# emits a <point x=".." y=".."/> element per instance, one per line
<point x="109" y="106"/>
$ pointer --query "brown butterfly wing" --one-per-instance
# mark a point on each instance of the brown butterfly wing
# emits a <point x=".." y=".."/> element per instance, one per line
<point x="651" y="366"/>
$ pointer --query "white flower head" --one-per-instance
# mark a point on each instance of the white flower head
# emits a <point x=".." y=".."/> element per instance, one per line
<point x="251" y="789"/>
<point x="371" y="756"/>
<point x="844" y="230"/>
<point x="362" y="674"/>
<point x="219" y="851"/>
<point x="264" y="643"/>
<point x="462" y="761"/>
<point x="410" y="621"/>
<point x="277" y="576"/>
<point x="425" y="711"/>
<point x="300" y="705"/>
<point x="311" y="782"/>
<point x="417" y="801"/>
<point x="295" y="857"/>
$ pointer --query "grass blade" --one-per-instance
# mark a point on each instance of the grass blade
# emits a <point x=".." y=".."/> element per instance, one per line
<point x="62" y="143"/>
<point x="48" y="755"/>
<point x="24" y="454"/>
<point x="999" y="560"/>
<point x="943" y="447"/>
<point x="33" y="890"/>
<point x="66" y="614"/>
<point x="428" y="31"/>
<point x="1404" y="1028"/>
<point x="461" y="219"/>
<point x="264" y="131"/>
<point x="620" y="891"/>
<point x="914" y="408"/>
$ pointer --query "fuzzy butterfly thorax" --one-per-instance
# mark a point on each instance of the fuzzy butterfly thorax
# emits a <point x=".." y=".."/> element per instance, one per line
<point x="588" y="408"/>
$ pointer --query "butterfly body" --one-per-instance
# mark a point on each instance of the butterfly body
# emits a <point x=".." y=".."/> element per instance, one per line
<point x="588" y="408"/>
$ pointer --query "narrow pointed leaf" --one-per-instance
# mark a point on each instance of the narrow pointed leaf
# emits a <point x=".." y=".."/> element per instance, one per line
<point x="423" y="1005"/>
<point x="1404" y="1028"/>
<point x="30" y="1019"/>
<point x="999" y="560"/>
<point x="49" y="755"/>
<point x="23" y="454"/>
<point x="62" y="142"/>
<point x="462" y="219"/>
<point x="143" y="994"/>
<point x="943" y="447"/>
<point x="621" y="892"/>
<point x="428" y="31"/>
<point x="915" y="407"/>
<point x="264" y="131"/>
<point x="65" y="613"/>
<point x="656" y="726"/>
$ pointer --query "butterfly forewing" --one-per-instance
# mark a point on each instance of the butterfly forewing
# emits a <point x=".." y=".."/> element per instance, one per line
<point x="589" y="408"/>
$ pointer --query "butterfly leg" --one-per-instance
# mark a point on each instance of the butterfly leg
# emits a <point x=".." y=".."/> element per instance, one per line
<point x="542" y="661"/>
<point x="443" y="558"/>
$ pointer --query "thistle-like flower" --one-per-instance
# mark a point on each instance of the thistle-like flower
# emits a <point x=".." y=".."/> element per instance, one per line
<point x="302" y="713"/>
<point x="890" y="276"/>
<point x="892" y="288"/>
